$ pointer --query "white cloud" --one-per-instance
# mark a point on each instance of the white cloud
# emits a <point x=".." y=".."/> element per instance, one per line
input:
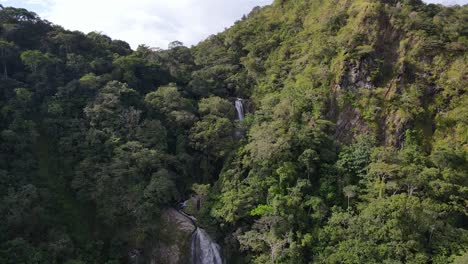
<point x="151" y="22"/>
<point x="447" y="2"/>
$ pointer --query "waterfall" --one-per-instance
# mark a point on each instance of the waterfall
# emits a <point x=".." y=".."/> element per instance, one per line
<point x="240" y="109"/>
<point x="203" y="249"/>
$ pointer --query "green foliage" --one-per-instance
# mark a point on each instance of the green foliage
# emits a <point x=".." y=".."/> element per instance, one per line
<point x="161" y="189"/>
<point x="34" y="59"/>
<point x="353" y="150"/>
<point x="166" y="99"/>
<point x="399" y="229"/>
<point x="213" y="135"/>
<point x="216" y="106"/>
<point x="201" y="189"/>
<point x="262" y="210"/>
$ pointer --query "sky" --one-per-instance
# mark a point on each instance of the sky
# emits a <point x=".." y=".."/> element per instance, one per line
<point x="155" y="23"/>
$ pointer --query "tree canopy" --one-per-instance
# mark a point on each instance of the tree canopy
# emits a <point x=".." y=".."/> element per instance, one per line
<point x="353" y="149"/>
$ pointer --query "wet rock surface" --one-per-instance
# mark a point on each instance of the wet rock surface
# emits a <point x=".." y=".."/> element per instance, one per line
<point x="176" y="232"/>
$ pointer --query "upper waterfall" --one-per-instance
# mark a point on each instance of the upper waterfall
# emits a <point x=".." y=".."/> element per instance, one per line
<point x="239" y="109"/>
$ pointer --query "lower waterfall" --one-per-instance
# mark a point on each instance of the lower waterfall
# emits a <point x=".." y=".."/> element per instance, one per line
<point x="203" y="249"/>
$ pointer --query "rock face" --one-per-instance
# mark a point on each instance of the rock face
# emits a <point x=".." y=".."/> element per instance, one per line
<point x="349" y="124"/>
<point x="176" y="232"/>
<point x="356" y="76"/>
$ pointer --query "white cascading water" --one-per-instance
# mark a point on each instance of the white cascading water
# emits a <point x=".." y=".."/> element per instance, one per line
<point x="203" y="249"/>
<point x="240" y="109"/>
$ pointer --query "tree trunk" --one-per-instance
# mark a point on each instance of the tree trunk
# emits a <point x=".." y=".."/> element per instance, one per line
<point x="5" y="72"/>
<point x="381" y="187"/>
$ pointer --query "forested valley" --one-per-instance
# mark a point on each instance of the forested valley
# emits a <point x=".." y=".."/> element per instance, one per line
<point x="353" y="147"/>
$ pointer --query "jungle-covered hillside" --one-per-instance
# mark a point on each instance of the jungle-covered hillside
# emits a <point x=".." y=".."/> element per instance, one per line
<point x="353" y="149"/>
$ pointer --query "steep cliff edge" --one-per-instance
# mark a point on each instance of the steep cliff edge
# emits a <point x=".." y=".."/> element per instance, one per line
<point x="176" y="231"/>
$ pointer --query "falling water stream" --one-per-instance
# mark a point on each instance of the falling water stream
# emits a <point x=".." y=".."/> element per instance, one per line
<point x="239" y="109"/>
<point x="203" y="249"/>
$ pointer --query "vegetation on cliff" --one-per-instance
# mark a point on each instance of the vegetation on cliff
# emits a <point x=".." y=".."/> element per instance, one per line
<point x="354" y="148"/>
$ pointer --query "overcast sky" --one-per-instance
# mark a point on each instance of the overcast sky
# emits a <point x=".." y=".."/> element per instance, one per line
<point x="151" y="22"/>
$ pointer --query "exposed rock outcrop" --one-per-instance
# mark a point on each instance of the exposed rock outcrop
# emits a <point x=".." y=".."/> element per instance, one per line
<point x="174" y="247"/>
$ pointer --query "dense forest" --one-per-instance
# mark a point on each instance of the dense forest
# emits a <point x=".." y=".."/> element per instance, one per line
<point x="353" y="149"/>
